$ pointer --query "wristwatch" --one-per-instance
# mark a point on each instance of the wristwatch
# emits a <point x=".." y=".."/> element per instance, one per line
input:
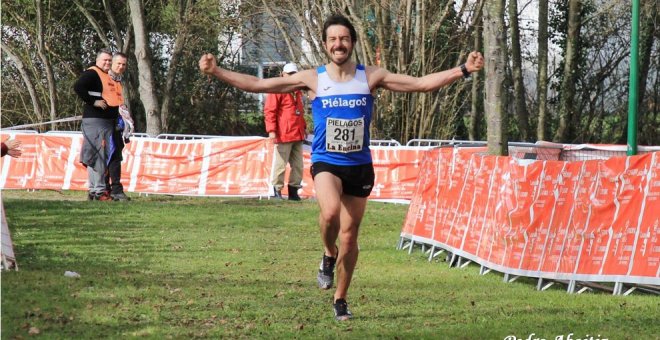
<point x="466" y="74"/>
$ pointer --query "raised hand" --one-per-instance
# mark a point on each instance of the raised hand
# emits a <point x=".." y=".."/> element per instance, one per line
<point x="13" y="147"/>
<point x="475" y="62"/>
<point x="207" y="63"/>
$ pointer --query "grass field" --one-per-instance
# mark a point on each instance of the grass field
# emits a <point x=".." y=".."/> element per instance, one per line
<point x="176" y="268"/>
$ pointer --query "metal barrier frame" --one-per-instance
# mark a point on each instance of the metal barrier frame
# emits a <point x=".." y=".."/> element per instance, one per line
<point x="384" y="142"/>
<point x="172" y="136"/>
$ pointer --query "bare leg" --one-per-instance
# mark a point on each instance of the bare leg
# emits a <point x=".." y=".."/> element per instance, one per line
<point x="328" y="193"/>
<point x="352" y="211"/>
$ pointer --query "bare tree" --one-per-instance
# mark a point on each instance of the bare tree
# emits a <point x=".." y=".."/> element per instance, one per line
<point x="147" y="87"/>
<point x="293" y="52"/>
<point x="183" y="18"/>
<point x="542" y="77"/>
<point x="414" y="37"/>
<point x="649" y="30"/>
<point x="567" y="111"/>
<point x="100" y="32"/>
<point x="123" y="39"/>
<point x="48" y="69"/>
<point x="477" y="106"/>
<point x="27" y="80"/>
<point x="495" y="69"/>
<point x="516" y="69"/>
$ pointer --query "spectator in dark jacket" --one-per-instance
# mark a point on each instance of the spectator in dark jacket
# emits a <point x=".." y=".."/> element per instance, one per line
<point x="101" y="91"/>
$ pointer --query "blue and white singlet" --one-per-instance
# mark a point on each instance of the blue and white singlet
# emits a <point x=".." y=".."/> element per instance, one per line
<point x="342" y="114"/>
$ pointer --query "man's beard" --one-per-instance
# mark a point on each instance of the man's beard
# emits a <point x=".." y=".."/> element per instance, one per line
<point x="348" y="56"/>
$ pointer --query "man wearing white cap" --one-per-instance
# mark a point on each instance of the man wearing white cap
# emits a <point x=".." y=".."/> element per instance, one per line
<point x="285" y="124"/>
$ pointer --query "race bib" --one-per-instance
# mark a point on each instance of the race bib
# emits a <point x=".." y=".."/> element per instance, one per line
<point x="344" y="135"/>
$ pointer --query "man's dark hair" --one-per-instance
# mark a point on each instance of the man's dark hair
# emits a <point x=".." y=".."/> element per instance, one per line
<point x="119" y="54"/>
<point x="338" y="19"/>
<point x="103" y="51"/>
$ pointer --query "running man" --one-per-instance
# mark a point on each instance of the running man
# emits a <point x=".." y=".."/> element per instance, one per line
<point x="342" y="103"/>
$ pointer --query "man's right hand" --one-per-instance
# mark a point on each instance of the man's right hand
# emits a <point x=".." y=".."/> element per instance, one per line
<point x="101" y="104"/>
<point x="13" y="143"/>
<point x="272" y="135"/>
<point x="207" y="63"/>
<point x="13" y="147"/>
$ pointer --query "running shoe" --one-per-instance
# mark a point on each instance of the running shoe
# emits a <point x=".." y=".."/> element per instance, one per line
<point x="326" y="272"/>
<point x="341" y="310"/>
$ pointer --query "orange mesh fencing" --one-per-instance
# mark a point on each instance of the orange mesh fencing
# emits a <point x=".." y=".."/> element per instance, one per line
<point x="593" y="220"/>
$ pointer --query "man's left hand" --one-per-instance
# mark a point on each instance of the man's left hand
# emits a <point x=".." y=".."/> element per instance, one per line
<point x="475" y="62"/>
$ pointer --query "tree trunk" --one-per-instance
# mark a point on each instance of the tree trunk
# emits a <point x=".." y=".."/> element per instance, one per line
<point x="495" y="69"/>
<point x="181" y="37"/>
<point x="147" y="87"/>
<point x="518" y="86"/>
<point x="95" y="24"/>
<point x="566" y="105"/>
<point x="362" y="51"/>
<point x="282" y="31"/>
<point x="477" y="100"/>
<point x="48" y="69"/>
<point x="652" y="131"/>
<point x="113" y="25"/>
<point x="423" y="122"/>
<point x="542" y="78"/>
<point x="648" y="31"/>
<point x="649" y="131"/>
<point x="26" y="79"/>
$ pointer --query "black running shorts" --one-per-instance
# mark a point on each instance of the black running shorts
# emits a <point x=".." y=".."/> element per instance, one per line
<point x="356" y="180"/>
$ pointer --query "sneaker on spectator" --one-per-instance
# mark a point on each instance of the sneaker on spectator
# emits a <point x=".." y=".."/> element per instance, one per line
<point x="326" y="272"/>
<point x="277" y="194"/>
<point x="102" y="197"/>
<point x="341" y="310"/>
<point x="120" y="197"/>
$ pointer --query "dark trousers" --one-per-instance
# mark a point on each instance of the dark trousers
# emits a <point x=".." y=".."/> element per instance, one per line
<point x="113" y="177"/>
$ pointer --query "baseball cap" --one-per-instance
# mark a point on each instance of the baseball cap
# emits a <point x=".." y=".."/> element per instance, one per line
<point x="290" y="67"/>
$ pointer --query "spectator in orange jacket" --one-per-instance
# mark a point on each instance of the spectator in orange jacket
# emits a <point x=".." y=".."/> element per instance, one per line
<point x="285" y="124"/>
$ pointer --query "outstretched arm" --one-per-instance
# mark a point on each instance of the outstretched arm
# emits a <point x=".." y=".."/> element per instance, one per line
<point x="246" y="82"/>
<point x="431" y="82"/>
